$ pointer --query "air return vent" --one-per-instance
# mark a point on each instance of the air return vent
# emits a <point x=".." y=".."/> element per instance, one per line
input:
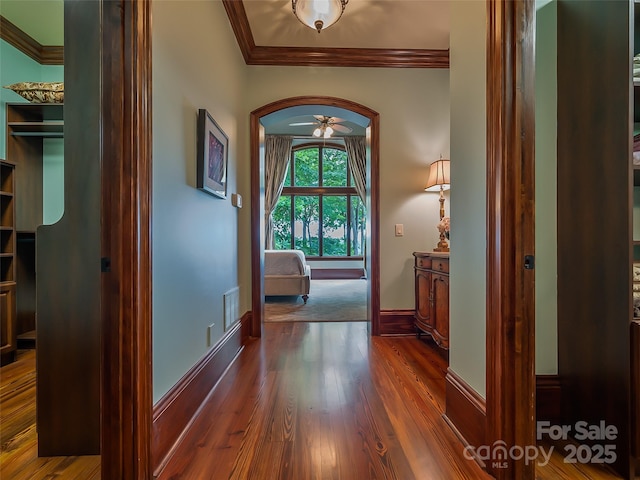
<point x="231" y="307"/>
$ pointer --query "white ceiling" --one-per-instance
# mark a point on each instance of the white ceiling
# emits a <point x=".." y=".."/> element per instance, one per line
<point x="395" y="24"/>
<point x="384" y="24"/>
<point x="42" y="20"/>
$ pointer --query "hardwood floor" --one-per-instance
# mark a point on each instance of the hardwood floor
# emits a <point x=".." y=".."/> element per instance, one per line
<point x="308" y="401"/>
<point x="323" y="401"/>
<point x="18" y="438"/>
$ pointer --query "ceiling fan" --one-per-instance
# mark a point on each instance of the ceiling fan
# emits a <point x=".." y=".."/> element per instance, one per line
<point x="325" y="126"/>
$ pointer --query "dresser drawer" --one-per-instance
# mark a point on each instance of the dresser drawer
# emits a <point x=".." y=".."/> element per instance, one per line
<point x="423" y="262"/>
<point x="440" y="265"/>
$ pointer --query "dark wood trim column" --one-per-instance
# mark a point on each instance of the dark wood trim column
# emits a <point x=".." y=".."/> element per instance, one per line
<point x="372" y="263"/>
<point x="510" y="230"/>
<point x="126" y="240"/>
<point x="595" y="142"/>
<point x="257" y="224"/>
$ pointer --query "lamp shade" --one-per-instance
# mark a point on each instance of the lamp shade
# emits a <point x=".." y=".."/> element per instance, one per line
<point x="318" y="14"/>
<point x="438" y="176"/>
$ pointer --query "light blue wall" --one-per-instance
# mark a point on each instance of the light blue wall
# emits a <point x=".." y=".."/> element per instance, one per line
<point x="467" y="353"/>
<point x="52" y="180"/>
<point x="16" y="67"/>
<point x="194" y="260"/>
<point x="546" y="237"/>
<point x="196" y="64"/>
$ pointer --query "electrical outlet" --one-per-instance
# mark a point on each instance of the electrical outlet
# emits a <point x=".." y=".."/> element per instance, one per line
<point x="210" y="334"/>
<point x="399" y="229"/>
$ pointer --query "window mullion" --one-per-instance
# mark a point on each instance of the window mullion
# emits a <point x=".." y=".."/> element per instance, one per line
<point x="293" y="221"/>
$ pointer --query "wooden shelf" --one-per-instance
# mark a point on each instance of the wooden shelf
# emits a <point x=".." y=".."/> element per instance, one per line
<point x="27" y="340"/>
<point x="7" y="265"/>
<point x="35" y="112"/>
<point x="36" y="129"/>
<point x="35" y="120"/>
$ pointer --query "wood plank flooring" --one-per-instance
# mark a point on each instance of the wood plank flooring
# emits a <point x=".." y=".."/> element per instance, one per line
<point x="323" y="401"/>
<point x="18" y="438"/>
<point x="308" y="401"/>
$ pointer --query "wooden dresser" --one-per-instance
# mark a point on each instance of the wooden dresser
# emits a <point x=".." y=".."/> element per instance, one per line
<point x="432" y="296"/>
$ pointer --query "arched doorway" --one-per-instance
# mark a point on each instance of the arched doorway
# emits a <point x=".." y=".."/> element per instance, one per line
<point x="257" y="132"/>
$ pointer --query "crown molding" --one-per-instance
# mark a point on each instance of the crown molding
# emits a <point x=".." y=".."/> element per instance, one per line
<point x="326" y="57"/>
<point x="44" y="55"/>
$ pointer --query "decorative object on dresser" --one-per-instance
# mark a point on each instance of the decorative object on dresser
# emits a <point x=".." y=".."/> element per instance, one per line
<point x="439" y="180"/>
<point x="432" y="296"/>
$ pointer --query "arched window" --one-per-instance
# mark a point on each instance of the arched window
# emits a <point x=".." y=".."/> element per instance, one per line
<point x="319" y="210"/>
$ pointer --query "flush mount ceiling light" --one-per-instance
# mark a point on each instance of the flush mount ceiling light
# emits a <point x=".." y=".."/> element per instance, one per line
<point x="318" y="14"/>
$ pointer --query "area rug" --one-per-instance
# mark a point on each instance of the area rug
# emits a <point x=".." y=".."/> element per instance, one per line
<point x="329" y="301"/>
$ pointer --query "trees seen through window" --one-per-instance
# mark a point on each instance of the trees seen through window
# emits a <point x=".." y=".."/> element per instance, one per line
<point x="319" y="211"/>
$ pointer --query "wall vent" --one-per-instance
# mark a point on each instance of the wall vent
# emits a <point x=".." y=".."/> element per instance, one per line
<point x="231" y="307"/>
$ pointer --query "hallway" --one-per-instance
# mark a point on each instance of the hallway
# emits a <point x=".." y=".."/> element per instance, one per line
<point x="322" y="400"/>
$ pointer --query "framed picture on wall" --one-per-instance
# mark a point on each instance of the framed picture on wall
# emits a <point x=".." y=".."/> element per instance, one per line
<point x="212" y="154"/>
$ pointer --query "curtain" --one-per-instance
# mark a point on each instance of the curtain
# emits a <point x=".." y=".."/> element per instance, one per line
<point x="357" y="153"/>
<point x="277" y="154"/>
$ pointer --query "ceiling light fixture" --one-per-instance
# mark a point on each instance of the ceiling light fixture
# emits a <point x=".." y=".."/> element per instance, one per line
<point x="318" y="14"/>
<point x="323" y="130"/>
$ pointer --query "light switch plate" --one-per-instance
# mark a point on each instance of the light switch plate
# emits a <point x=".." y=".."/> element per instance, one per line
<point x="399" y="229"/>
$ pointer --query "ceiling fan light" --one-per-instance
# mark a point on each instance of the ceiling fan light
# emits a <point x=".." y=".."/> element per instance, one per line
<point x="318" y="14"/>
<point x="328" y="132"/>
<point x="317" y="132"/>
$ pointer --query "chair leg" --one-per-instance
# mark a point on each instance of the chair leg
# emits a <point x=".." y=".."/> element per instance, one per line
<point x="305" y="298"/>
